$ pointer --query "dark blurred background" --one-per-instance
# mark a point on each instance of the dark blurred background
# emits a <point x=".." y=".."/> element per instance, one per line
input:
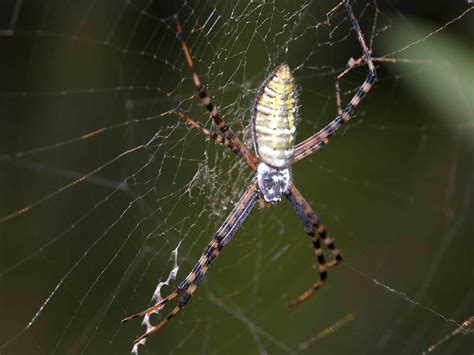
<point x="114" y="184"/>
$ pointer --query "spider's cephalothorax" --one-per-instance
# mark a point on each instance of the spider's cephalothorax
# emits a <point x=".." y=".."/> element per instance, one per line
<point x="273" y="129"/>
<point x="273" y="183"/>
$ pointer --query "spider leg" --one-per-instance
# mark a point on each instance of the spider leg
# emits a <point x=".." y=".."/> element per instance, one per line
<point x="316" y="231"/>
<point x="218" y="138"/>
<point x="223" y="235"/>
<point x="234" y="143"/>
<point x="355" y="63"/>
<point x="350" y="65"/>
<point x="160" y="304"/>
<point x="316" y="141"/>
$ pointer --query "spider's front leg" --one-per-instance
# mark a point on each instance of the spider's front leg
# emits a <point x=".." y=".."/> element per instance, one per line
<point x="224" y="234"/>
<point x="316" y="231"/>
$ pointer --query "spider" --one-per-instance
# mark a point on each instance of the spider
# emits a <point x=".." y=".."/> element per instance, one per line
<point x="273" y="133"/>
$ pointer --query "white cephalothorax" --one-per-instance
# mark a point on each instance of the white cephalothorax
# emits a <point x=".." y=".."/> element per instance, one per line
<point x="273" y="183"/>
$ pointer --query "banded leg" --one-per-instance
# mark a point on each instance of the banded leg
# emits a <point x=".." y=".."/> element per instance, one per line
<point x="350" y="65"/>
<point x="218" y="138"/>
<point x="223" y="235"/>
<point x="321" y="138"/>
<point x="316" y="231"/>
<point x="355" y="63"/>
<point x="243" y="152"/>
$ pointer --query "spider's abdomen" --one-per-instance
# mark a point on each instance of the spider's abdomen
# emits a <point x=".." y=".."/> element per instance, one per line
<point x="274" y="116"/>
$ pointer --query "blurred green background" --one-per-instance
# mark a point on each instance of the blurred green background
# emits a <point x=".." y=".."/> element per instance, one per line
<point x="394" y="187"/>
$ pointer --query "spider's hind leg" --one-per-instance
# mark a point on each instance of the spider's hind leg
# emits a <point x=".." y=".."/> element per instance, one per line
<point x="321" y="138"/>
<point x="233" y="141"/>
<point x="316" y="231"/>
<point x="361" y="61"/>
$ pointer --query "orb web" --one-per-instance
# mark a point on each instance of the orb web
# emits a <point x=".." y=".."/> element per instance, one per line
<point x="108" y="199"/>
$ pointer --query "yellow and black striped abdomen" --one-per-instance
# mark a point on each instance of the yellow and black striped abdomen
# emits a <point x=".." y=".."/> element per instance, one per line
<point x="274" y="116"/>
